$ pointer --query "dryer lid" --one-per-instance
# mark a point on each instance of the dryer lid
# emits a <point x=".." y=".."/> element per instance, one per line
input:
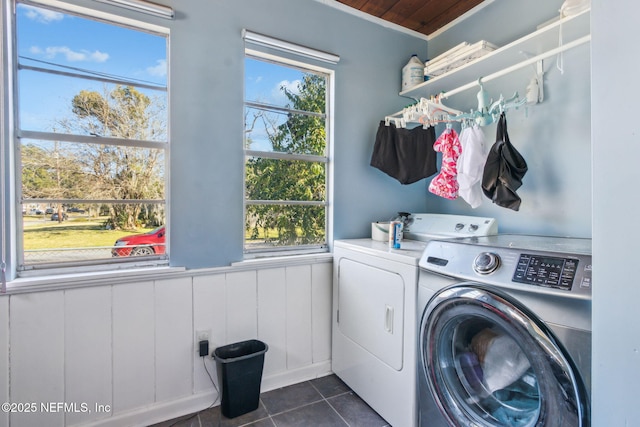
<point x="427" y="226"/>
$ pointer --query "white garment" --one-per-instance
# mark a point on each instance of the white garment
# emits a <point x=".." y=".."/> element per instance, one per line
<point x="470" y="165"/>
<point x="504" y="362"/>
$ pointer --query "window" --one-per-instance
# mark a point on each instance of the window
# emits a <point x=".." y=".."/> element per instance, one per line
<point x="91" y="141"/>
<point x="286" y="156"/>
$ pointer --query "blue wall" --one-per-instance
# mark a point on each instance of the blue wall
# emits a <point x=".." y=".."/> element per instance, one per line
<point x="499" y="22"/>
<point x="206" y="81"/>
<point x="554" y="136"/>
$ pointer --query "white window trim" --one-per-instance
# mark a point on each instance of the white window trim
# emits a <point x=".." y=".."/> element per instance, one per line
<point x="288" y="47"/>
<point x="14" y="276"/>
<point x="95" y="13"/>
<point x="313" y="54"/>
<point x="5" y="169"/>
<point x="146" y="7"/>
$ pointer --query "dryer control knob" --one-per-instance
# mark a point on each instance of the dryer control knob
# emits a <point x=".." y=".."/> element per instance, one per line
<point x="486" y="263"/>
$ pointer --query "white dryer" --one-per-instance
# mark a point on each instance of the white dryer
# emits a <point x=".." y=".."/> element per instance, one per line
<point x="505" y="332"/>
<point x="374" y="312"/>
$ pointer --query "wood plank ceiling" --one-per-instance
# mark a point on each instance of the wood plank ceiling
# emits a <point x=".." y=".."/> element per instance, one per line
<point x="423" y="16"/>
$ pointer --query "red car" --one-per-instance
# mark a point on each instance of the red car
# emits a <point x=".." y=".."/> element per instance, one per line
<point x="151" y="243"/>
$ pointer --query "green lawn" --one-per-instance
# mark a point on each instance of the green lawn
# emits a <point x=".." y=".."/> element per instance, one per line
<point x="76" y="232"/>
<point x="82" y="232"/>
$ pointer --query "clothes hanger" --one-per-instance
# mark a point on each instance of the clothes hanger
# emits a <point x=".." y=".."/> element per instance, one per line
<point x="502" y="105"/>
<point x="515" y="104"/>
<point x="483" y="118"/>
<point x="426" y="112"/>
<point x="429" y="112"/>
<point x="437" y="105"/>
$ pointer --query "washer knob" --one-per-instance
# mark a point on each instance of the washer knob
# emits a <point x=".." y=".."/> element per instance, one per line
<point x="486" y="263"/>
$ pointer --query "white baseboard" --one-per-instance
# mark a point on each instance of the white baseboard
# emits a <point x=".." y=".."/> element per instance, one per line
<point x="294" y="376"/>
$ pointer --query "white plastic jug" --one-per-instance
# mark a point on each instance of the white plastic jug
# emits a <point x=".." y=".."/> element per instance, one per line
<point x="412" y="73"/>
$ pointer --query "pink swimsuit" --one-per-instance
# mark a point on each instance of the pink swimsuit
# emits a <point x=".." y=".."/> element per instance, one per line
<point x="445" y="184"/>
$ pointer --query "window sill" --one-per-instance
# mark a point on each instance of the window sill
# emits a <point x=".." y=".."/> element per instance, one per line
<point x="77" y="280"/>
<point x="278" y="261"/>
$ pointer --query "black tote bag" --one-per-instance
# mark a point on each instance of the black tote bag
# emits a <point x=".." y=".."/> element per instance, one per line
<point x="504" y="170"/>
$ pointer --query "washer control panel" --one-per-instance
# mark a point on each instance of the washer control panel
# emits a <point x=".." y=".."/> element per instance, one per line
<point x="560" y="266"/>
<point x="546" y="271"/>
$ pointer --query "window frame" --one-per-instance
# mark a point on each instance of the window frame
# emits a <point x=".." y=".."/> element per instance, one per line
<point x="15" y="134"/>
<point x="293" y="61"/>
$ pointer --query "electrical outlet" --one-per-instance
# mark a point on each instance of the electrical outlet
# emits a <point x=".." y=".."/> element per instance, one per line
<point x="202" y="335"/>
<point x="204" y="348"/>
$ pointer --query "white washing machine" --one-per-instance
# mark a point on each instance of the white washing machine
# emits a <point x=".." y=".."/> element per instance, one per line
<point x="374" y="312"/>
<point x="505" y="332"/>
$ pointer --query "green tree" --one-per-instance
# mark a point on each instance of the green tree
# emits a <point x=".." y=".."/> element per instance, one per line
<point x="120" y="172"/>
<point x="37" y="179"/>
<point x="285" y="180"/>
<point x="50" y="171"/>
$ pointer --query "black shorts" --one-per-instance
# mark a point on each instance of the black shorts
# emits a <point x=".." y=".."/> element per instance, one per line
<point x="405" y="154"/>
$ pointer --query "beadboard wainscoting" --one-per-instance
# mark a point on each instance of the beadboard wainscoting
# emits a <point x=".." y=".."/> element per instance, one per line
<point x="125" y="354"/>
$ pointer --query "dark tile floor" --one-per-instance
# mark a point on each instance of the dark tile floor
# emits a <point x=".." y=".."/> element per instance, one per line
<point x="325" y="401"/>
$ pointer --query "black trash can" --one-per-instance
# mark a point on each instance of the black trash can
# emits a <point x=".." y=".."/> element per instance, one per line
<point x="239" y="367"/>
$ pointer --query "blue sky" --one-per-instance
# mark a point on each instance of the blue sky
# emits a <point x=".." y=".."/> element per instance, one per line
<point x="263" y="81"/>
<point x="64" y="40"/>
<point x="79" y="42"/>
<point x="70" y="41"/>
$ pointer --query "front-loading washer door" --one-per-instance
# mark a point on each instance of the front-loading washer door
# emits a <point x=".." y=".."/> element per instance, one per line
<point x="489" y="361"/>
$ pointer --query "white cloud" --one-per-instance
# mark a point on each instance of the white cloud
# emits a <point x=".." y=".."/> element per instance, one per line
<point x="159" y="70"/>
<point x="292" y="87"/>
<point x="70" y="55"/>
<point x="41" y="15"/>
<point x="98" y="56"/>
<point x="277" y="93"/>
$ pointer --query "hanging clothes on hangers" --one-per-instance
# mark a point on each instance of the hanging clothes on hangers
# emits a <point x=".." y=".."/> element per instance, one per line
<point x="445" y="183"/>
<point x="404" y="154"/>
<point x="504" y="170"/>
<point x="425" y="112"/>
<point x="470" y="164"/>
